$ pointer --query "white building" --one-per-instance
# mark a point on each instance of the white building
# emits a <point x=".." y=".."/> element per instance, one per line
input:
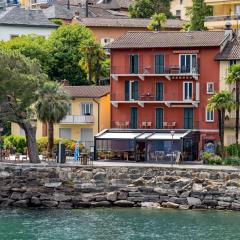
<point x="16" y="21"/>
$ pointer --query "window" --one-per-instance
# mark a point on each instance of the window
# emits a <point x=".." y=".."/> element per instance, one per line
<point x="134" y="63"/>
<point x="87" y="108"/>
<point x="159" y="91"/>
<point x="187" y="91"/>
<point x="69" y="109"/>
<point x="131" y="90"/>
<point x="159" y="63"/>
<point x="65" y="133"/>
<point x="237" y="9"/>
<point x="134" y="117"/>
<point x="87" y="137"/>
<point x="210" y="88"/>
<point x="188" y="63"/>
<point x="105" y="41"/>
<point x="178" y="13"/>
<point x="232" y="62"/>
<point x="181" y="1"/>
<point x="159" y="118"/>
<point x="188" y="118"/>
<point x="209" y="116"/>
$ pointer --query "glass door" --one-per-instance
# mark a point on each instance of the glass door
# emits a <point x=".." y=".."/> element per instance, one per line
<point x="134" y="117"/>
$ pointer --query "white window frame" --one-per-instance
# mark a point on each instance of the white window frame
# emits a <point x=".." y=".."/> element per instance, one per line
<point x="131" y="82"/>
<point x="84" y="108"/>
<point x="206" y="115"/>
<point x="106" y="40"/>
<point x="191" y="67"/>
<point x="188" y="99"/>
<point x="210" y="83"/>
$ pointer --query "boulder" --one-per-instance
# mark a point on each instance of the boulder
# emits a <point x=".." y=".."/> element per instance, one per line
<point x="197" y="187"/>
<point x="53" y="184"/>
<point x="101" y="204"/>
<point x="191" y="201"/>
<point x="65" y="205"/>
<point x="16" y="196"/>
<point x="181" y="201"/>
<point x="150" y="205"/>
<point x="224" y="204"/>
<point x="122" y="196"/>
<point x="100" y="176"/>
<point x="50" y="204"/>
<point x="212" y="203"/>
<point x="35" y="201"/>
<point x="5" y="174"/>
<point x="6" y="203"/>
<point x="21" y="203"/>
<point x="184" y="207"/>
<point x="82" y="204"/>
<point x="60" y="197"/>
<point x="235" y="206"/>
<point x="87" y="175"/>
<point x="123" y="203"/>
<point x="112" y="196"/>
<point x="170" y="205"/>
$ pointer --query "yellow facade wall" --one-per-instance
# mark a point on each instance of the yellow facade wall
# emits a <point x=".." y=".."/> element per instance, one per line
<point x="100" y="112"/>
<point x="177" y="5"/>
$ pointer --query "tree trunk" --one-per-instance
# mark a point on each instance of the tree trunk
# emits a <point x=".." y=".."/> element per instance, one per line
<point x="50" y="138"/>
<point x="30" y="133"/>
<point x="237" y="113"/>
<point x="222" y="133"/>
<point x="90" y="71"/>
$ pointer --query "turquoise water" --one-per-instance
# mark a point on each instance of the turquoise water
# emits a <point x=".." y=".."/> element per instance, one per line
<point x="118" y="224"/>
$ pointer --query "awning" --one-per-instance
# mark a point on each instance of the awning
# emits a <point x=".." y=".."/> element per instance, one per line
<point x="119" y="135"/>
<point x="166" y="136"/>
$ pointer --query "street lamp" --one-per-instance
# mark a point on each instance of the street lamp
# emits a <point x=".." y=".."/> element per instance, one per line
<point x="1" y="130"/>
<point x="172" y="134"/>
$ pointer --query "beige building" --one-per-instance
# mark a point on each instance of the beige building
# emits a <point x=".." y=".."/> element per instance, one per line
<point x="178" y="8"/>
<point x="89" y="114"/>
<point x="223" y="11"/>
<point x="230" y="55"/>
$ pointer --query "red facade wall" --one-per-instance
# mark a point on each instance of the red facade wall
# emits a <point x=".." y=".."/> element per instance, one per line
<point x="173" y="90"/>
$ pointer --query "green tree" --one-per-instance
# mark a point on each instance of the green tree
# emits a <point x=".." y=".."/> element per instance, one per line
<point x="147" y="8"/>
<point x="197" y="14"/>
<point x="63" y="47"/>
<point x="158" y="19"/>
<point x="234" y="78"/>
<point x="20" y="80"/>
<point x="31" y="46"/>
<point x="52" y="106"/>
<point x="93" y="59"/>
<point x="221" y="102"/>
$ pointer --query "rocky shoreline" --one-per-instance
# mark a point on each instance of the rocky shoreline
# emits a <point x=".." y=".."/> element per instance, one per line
<point x="89" y="186"/>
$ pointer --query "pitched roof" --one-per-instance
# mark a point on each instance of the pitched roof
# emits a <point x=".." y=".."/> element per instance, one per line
<point x="58" y="11"/>
<point x="114" y="4"/>
<point x="231" y="51"/>
<point x="127" y="22"/>
<point x="149" y="39"/>
<point x="24" y="17"/>
<point x="87" y="91"/>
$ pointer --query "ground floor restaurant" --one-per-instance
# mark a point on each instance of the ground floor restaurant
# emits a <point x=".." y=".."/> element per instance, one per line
<point x="147" y="145"/>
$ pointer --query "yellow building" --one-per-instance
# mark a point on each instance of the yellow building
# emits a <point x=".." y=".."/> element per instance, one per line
<point x="223" y="11"/>
<point x="178" y="8"/>
<point x="230" y="55"/>
<point x="89" y="114"/>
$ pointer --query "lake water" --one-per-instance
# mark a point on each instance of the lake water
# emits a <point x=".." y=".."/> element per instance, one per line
<point x="118" y="224"/>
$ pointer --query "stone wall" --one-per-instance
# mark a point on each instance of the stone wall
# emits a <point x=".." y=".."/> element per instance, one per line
<point x="77" y="187"/>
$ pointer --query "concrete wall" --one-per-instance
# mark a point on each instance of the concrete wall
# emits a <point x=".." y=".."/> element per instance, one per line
<point x="7" y="31"/>
<point x="76" y="187"/>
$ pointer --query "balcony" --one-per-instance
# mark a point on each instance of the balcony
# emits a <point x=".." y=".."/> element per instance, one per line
<point x="170" y="72"/>
<point x="219" y="22"/>
<point x="175" y="100"/>
<point x="78" y="119"/>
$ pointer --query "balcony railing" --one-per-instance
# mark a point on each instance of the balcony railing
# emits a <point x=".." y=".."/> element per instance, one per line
<point x="222" y="18"/>
<point x="160" y="70"/>
<point x="78" y="119"/>
<point x="149" y="125"/>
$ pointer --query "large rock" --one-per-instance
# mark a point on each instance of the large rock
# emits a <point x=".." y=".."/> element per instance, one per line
<point x="181" y="201"/>
<point x="86" y="175"/>
<point x="21" y="203"/>
<point x="150" y="205"/>
<point x="65" y="205"/>
<point x="123" y="203"/>
<point x="112" y="196"/>
<point x="224" y="204"/>
<point x="16" y="196"/>
<point x="122" y="195"/>
<point x="5" y="174"/>
<point x="50" y="204"/>
<point x="212" y="203"/>
<point x="170" y="205"/>
<point x="191" y="201"/>
<point x="101" y="204"/>
<point x="35" y="201"/>
<point x="53" y="184"/>
<point x="197" y="187"/>
<point x="82" y="204"/>
<point x="60" y="197"/>
<point x="235" y="206"/>
<point x="100" y="176"/>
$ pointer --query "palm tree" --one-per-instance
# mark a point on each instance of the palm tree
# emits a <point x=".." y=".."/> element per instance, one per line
<point x="52" y="106"/>
<point x="221" y="102"/>
<point x="234" y="78"/>
<point x="158" y="19"/>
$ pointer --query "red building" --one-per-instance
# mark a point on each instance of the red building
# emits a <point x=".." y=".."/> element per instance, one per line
<point x="161" y="81"/>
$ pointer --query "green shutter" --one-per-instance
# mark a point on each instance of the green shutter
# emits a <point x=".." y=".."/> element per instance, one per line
<point x="188" y="118"/>
<point x="159" y="91"/>
<point x="159" y="63"/>
<point x="134" y="64"/>
<point x="135" y="90"/>
<point x="127" y="90"/>
<point x="134" y="118"/>
<point x="159" y="118"/>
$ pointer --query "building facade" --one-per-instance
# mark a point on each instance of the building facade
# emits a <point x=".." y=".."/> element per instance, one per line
<point x="223" y="11"/>
<point x="179" y="8"/>
<point x="162" y="81"/>
<point x="89" y="113"/>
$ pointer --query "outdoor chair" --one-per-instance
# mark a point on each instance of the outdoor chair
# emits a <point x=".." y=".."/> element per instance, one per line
<point x="117" y="124"/>
<point x="149" y="124"/>
<point x="126" y="124"/>
<point x="144" y="125"/>
<point x="17" y="157"/>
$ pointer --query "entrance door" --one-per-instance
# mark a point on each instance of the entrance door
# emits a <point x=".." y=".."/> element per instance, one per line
<point x="134" y="117"/>
<point x="87" y="137"/>
<point x="159" y="118"/>
<point x="140" y="151"/>
<point x="188" y="118"/>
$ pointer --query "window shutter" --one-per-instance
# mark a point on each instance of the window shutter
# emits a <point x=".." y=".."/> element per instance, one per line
<point x="159" y="63"/>
<point x="127" y="90"/>
<point x="159" y="91"/>
<point x="135" y="90"/>
<point x="159" y="118"/>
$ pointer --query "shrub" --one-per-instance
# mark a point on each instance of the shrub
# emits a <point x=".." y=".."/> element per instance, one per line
<point x="42" y="144"/>
<point x="232" y="150"/>
<point x="235" y="161"/>
<point x="18" y="142"/>
<point x="215" y="160"/>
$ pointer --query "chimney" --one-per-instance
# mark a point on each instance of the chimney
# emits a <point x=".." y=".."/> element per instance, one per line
<point x="86" y="8"/>
<point x="65" y="82"/>
<point x="228" y="30"/>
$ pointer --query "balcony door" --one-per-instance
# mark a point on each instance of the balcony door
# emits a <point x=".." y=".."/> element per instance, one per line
<point x="159" y="91"/>
<point x="188" y="63"/>
<point x="133" y="117"/>
<point x="188" y="118"/>
<point x="134" y="64"/>
<point x="159" y="118"/>
<point x="187" y="91"/>
<point x="87" y="109"/>
<point x="131" y="90"/>
<point x="159" y="63"/>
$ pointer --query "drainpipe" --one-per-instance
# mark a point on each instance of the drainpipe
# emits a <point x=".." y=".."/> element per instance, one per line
<point x="86" y="8"/>
<point x="98" y="113"/>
